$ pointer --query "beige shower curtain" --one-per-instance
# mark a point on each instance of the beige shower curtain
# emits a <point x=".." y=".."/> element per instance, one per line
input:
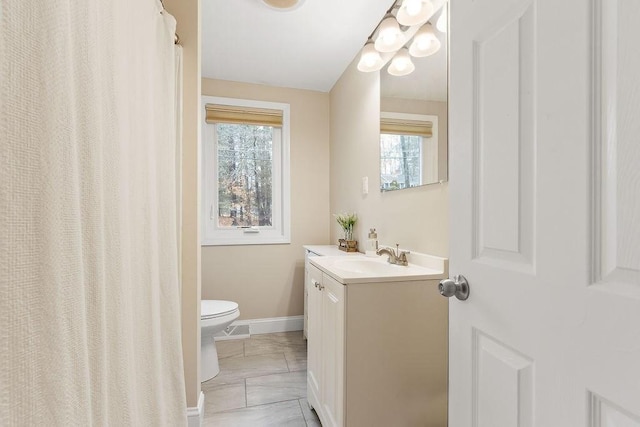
<point x="89" y="296"/>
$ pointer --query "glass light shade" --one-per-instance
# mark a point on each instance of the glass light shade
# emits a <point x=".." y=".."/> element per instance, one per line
<point x="401" y="64"/>
<point x="370" y="59"/>
<point x="283" y="5"/>
<point x="441" y="25"/>
<point x="390" y="38"/>
<point x="425" y="42"/>
<point x="415" y="12"/>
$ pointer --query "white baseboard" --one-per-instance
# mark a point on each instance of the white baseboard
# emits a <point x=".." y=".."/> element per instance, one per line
<point x="195" y="415"/>
<point x="266" y="326"/>
<point x="276" y="324"/>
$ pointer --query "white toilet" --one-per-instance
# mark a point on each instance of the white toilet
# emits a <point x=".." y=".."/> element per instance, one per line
<point x="215" y="316"/>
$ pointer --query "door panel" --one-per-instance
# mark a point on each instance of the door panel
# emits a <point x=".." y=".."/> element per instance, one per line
<point x="606" y="414"/>
<point x="314" y="342"/>
<point x="618" y="158"/>
<point x="503" y="385"/>
<point x="545" y="213"/>
<point x="611" y="332"/>
<point x="503" y="117"/>
<point x="333" y="351"/>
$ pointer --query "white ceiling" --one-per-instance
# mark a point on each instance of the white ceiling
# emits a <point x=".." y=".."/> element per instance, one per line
<point x="305" y="48"/>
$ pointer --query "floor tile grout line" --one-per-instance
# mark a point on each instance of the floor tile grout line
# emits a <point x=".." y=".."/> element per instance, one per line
<point x="253" y="376"/>
<point x="246" y="394"/>
<point x="262" y="374"/>
<point x="286" y="361"/>
<point x="302" y="410"/>
<point x="262" y="404"/>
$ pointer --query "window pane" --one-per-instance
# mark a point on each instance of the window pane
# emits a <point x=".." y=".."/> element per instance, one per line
<point x="400" y="161"/>
<point x="245" y="169"/>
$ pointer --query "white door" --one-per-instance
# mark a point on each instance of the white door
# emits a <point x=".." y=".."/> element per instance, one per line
<point x="545" y="213"/>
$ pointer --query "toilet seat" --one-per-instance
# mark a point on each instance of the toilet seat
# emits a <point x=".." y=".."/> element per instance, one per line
<point x="211" y="309"/>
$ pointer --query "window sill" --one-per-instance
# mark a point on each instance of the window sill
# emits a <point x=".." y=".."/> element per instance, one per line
<point x="243" y="242"/>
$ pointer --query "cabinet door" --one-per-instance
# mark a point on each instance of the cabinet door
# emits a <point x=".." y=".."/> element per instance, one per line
<point x="333" y="303"/>
<point x="314" y="336"/>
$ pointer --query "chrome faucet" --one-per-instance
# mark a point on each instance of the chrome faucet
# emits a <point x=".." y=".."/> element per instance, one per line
<point x="396" y="256"/>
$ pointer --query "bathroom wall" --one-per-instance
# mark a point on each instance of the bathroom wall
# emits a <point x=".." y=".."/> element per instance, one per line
<point x="416" y="217"/>
<point x="267" y="280"/>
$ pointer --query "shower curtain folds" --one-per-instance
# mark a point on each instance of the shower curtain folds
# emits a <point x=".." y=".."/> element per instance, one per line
<point x="89" y="293"/>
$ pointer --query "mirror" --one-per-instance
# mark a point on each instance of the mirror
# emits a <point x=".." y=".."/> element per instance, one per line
<point x="413" y="121"/>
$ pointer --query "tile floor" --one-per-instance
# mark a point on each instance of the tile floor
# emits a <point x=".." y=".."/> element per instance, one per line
<point x="262" y="382"/>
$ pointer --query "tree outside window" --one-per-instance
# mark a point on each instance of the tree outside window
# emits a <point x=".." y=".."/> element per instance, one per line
<point x="400" y="161"/>
<point x="245" y="170"/>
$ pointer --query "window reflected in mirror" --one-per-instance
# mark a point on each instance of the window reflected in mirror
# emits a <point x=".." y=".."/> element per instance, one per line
<point x="408" y="150"/>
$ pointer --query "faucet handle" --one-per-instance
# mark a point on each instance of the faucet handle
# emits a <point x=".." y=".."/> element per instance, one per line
<point x="402" y="257"/>
<point x="400" y="253"/>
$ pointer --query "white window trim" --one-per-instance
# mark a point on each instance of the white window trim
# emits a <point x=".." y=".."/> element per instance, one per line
<point x="280" y="232"/>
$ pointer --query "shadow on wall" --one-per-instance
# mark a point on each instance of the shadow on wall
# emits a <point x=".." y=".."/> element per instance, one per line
<point x="297" y="292"/>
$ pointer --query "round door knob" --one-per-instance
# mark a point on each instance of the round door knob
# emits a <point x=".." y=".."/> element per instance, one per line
<point x="457" y="286"/>
<point x="447" y="288"/>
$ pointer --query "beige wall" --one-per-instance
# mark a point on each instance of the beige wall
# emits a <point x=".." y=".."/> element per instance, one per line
<point x="416" y="217"/>
<point x="267" y="280"/>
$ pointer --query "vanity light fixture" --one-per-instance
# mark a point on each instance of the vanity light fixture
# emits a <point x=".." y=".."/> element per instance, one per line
<point x="370" y="59"/>
<point x="390" y="37"/>
<point x="415" y="12"/>
<point x="425" y="42"/>
<point x="391" y="40"/>
<point x="401" y="64"/>
<point x="283" y="5"/>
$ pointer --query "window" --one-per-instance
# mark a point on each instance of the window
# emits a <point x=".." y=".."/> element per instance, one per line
<point x="408" y="150"/>
<point x="400" y="161"/>
<point x="245" y="172"/>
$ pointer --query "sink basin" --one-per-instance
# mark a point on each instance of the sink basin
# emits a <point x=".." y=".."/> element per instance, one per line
<point x="361" y="269"/>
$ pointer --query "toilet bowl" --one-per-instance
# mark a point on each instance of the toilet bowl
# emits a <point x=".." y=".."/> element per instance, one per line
<point x="215" y="316"/>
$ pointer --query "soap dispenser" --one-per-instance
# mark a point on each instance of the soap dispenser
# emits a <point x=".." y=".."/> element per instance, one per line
<point x="372" y="243"/>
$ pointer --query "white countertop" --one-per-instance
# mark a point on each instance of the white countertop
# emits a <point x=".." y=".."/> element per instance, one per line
<point x="376" y="269"/>
<point x="328" y="250"/>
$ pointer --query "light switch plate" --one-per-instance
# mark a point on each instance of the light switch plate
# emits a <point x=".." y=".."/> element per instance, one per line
<point x="365" y="185"/>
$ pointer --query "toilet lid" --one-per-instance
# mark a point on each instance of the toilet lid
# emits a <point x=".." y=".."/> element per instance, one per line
<point x="210" y="308"/>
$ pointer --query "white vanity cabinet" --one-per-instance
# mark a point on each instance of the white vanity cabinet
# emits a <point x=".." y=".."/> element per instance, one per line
<point x="377" y="351"/>
<point x="325" y="351"/>
<point x="311" y="251"/>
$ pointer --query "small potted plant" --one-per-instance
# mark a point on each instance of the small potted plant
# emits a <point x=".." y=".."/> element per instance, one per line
<point x="347" y="221"/>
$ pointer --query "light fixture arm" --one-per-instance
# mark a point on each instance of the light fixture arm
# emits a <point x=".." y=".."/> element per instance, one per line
<point x="388" y="12"/>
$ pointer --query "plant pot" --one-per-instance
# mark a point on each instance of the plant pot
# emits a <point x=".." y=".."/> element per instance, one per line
<point x="348" y="245"/>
